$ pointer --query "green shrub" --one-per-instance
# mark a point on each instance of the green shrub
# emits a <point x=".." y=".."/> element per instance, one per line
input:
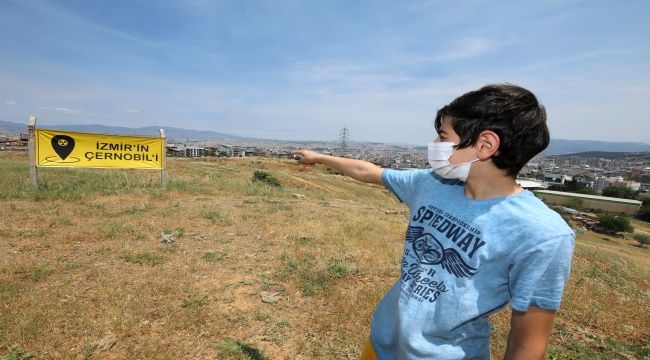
<point x="644" y="240"/>
<point x="265" y="178"/>
<point x="615" y="223"/>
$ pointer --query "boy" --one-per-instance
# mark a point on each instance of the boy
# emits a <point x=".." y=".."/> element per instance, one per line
<point x="476" y="241"/>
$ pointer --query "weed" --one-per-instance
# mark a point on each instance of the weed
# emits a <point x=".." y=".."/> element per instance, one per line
<point x="113" y="229"/>
<point x="261" y="316"/>
<point x="313" y="283"/>
<point x="73" y="266"/>
<point x="300" y="239"/>
<point x="612" y="275"/>
<point x="175" y="233"/>
<point x="72" y="184"/>
<point x="135" y="210"/>
<point x="212" y="256"/>
<point x="26" y="234"/>
<point x="339" y="270"/>
<point x="593" y="311"/>
<point x="18" y="354"/>
<point x="279" y="338"/>
<point x="231" y="349"/>
<point x="302" y="270"/>
<point x="60" y="221"/>
<point x="136" y="234"/>
<point x="297" y="264"/>
<point x="194" y="301"/>
<point x="313" y="278"/>
<point x="247" y="282"/>
<point x="644" y="240"/>
<point x="599" y="349"/>
<point x="9" y="291"/>
<point x="217" y="218"/>
<point x="41" y="273"/>
<point x="193" y="186"/>
<point x="155" y="193"/>
<point x="171" y="249"/>
<point x="143" y="258"/>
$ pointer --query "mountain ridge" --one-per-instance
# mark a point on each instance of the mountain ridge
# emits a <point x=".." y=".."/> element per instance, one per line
<point x="175" y="134"/>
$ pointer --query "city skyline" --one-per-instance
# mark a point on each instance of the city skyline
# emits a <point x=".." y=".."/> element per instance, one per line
<point x="291" y="70"/>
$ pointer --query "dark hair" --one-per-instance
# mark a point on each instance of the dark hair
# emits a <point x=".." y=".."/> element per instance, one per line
<point x="511" y="112"/>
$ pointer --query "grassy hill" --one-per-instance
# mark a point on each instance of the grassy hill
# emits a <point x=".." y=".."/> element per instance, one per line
<point x="247" y="270"/>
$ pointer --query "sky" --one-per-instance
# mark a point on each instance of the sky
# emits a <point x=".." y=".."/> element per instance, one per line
<point x="304" y="70"/>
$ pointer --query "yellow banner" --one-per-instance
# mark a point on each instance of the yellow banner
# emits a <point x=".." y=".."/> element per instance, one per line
<point x="72" y="149"/>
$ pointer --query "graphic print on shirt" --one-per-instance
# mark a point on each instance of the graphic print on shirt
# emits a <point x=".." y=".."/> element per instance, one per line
<point x="424" y="252"/>
<point x="430" y="252"/>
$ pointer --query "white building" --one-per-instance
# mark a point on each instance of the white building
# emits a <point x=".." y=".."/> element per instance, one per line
<point x="602" y="182"/>
<point x="555" y="179"/>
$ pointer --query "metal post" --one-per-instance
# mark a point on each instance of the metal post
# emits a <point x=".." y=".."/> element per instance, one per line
<point x="31" y="142"/>
<point x="163" y="171"/>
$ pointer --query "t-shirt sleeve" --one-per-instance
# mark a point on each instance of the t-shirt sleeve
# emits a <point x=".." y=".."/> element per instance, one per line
<point x="538" y="276"/>
<point x="402" y="182"/>
<point x="399" y="182"/>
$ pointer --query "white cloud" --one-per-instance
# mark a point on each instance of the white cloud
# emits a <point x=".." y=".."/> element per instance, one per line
<point x="382" y="76"/>
<point x="464" y="49"/>
<point x="62" y="109"/>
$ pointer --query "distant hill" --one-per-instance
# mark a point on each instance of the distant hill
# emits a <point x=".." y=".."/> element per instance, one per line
<point x="173" y="134"/>
<point x="13" y="128"/>
<point x="556" y="147"/>
<point x="561" y="147"/>
<point x="643" y="156"/>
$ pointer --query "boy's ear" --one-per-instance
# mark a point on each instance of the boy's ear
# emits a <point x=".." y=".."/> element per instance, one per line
<point x="488" y="144"/>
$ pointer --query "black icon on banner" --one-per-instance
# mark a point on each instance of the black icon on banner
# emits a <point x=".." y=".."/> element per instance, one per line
<point x="62" y="145"/>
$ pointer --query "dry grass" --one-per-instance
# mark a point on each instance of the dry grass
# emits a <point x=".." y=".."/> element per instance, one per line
<point x="255" y="271"/>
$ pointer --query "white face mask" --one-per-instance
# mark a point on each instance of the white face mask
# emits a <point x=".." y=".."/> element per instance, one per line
<point x="439" y="154"/>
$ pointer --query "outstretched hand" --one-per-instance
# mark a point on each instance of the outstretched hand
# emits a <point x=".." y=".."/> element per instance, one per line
<point x="306" y="156"/>
<point x="357" y="169"/>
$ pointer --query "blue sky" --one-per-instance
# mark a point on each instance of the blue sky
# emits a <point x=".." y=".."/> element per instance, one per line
<point x="303" y="70"/>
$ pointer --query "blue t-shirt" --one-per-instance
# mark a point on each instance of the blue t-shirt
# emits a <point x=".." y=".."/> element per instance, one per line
<point x="463" y="260"/>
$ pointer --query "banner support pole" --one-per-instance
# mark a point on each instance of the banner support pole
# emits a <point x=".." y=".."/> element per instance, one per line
<point x="31" y="142"/>
<point x="163" y="171"/>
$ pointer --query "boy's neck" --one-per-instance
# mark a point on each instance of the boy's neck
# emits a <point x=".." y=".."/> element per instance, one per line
<point x="495" y="186"/>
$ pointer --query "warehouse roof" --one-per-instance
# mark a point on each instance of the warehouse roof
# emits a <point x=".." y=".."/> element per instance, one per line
<point x="591" y="197"/>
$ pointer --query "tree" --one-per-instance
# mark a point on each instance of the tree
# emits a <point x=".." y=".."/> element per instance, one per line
<point x="571" y="185"/>
<point x="620" y="192"/>
<point x="587" y="191"/>
<point x="641" y="178"/>
<point x="644" y="213"/>
<point x="615" y="223"/>
<point x="558" y="187"/>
